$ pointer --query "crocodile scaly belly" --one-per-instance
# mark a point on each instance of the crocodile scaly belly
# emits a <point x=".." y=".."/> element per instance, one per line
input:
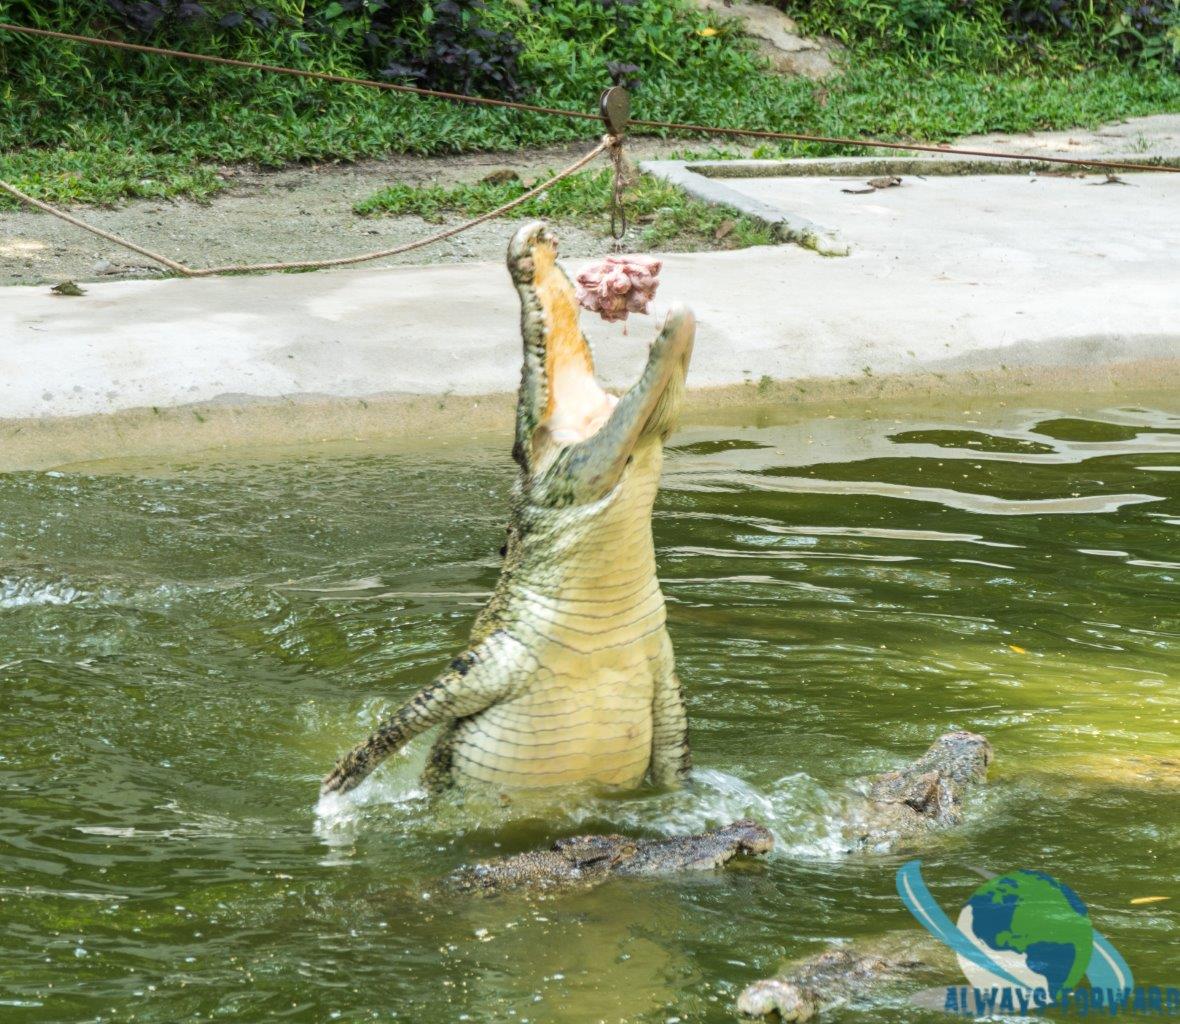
<point x="582" y="718"/>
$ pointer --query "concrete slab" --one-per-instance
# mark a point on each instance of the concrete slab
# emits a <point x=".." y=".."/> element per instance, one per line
<point x="701" y="182"/>
<point x="1143" y="141"/>
<point x="990" y="225"/>
<point x="947" y="275"/>
<point x="716" y="182"/>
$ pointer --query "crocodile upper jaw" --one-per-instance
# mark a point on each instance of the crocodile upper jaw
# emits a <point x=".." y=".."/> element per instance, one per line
<point x="562" y="406"/>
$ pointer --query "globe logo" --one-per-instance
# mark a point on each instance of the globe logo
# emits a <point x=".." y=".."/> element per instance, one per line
<point x="1033" y="926"/>
<point x="1023" y="931"/>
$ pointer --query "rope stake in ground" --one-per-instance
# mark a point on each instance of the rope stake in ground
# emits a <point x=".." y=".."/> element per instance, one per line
<point x="666" y="126"/>
<point x="608" y="143"/>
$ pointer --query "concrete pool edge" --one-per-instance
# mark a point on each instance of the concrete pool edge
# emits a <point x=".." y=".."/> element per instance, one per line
<point x="706" y="180"/>
<point x="236" y="425"/>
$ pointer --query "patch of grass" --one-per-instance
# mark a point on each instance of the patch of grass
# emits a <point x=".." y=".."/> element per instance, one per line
<point x="104" y="153"/>
<point x="104" y="176"/>
<point x="667" y="215"/>
<point x="101" y="155"/>
<point x="1038" y="35"/>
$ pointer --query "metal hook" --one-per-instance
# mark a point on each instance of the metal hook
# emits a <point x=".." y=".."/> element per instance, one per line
<point x="615" y="107"/>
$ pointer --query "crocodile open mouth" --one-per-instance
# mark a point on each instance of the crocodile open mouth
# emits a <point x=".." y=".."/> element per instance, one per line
<point x="562" y="406"/>
<point x="576" y="404"/>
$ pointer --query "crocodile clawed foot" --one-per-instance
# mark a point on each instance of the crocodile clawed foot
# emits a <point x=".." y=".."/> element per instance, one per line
<point x="341" y="779"/>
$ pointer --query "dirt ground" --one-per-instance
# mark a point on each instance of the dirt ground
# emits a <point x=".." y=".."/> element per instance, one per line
<point x="302" y="212"/>
<point x="305" y="212"/>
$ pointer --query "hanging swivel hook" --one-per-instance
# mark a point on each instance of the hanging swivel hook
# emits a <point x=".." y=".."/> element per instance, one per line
<point x="615" y="106"/>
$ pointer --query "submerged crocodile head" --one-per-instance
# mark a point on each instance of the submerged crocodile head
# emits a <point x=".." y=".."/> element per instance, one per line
<point x="574" y="440"/>
<point x="931" y="789"/>
<point x="777" y="998"/>
<point x="807" y="987"/>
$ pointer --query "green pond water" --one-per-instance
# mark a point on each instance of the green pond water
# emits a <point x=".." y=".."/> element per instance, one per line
<point x="185" y="649"/>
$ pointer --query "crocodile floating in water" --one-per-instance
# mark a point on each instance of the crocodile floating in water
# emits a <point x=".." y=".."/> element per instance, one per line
<point x="569" y="675"/>
<point x="845" y="973"/>
<point x="896" y="807"/>
<point x="922" y="797"/>
<point x="588" y="860"/>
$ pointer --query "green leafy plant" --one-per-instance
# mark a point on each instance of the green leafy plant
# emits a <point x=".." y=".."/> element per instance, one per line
<point x="994" y="33"/>
<point x="924" y="69"/>
<point x="441" y="43"/>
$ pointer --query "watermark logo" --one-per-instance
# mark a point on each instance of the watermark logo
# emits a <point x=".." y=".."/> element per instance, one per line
<point x="1025" y="942"/>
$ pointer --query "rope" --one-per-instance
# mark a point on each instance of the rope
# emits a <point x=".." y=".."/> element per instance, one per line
<point x="668" y="126"/>
<point x="185" y="271"/>
<point x="438" y="236"/>
<point x="618" y="212"/>
<point x="836" y="140"/>
<point x="12" y="190"/>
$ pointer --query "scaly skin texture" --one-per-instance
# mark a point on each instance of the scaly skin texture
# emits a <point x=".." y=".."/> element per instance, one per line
<point x="589" y="860"/>
<point x="569" y="676"/>
<point x="924" y="796"/>
<point x="899" y="806"/>
<point x="807" y="987"/>
<point x="811" y="985"/>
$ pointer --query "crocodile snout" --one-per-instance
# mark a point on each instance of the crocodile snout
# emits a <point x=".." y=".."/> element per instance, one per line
<point x="775" y="997"/>
<point x="965" y="753"/>
<point x="521" y="264"/>
<point x="751" y="837"/>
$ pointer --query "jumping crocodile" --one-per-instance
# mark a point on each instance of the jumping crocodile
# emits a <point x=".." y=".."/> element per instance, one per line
<point x="924" y="796"/>
<point x="588" y="860"/>
<point x="569" y="676"/>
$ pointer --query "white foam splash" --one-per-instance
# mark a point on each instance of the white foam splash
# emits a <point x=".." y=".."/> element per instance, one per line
<point x="804" y="818"/>
<point x="22" y="593"/>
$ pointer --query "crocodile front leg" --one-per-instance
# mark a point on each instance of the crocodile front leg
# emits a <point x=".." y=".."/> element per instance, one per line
<point x="437" y="776"/>
<point x="671" y="756"/>
<point x="477" y="679"/>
